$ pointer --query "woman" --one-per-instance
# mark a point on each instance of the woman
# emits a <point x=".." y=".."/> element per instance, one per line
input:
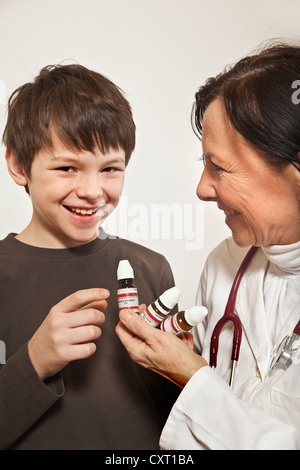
<point x="250" y="129"/>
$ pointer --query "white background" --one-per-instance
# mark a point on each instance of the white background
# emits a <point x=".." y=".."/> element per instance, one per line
<point x="159" y="52"/>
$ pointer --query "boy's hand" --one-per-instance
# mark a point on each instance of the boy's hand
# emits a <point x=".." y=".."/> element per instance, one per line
<point x="68" y="331"/>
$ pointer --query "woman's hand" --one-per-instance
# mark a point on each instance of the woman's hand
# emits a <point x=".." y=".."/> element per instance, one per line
<point x="156" y="350"/>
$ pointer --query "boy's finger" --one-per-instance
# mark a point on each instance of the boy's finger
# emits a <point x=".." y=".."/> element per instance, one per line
<point x="81" y="298"/>
<point x="142" y="307"/>
<point x="98" y="305"/>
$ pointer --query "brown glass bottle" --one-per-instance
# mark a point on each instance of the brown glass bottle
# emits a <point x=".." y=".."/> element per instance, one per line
<point x="127" y="291"/>
<point x="184" y="321"/>
<point x="157" y="311"/>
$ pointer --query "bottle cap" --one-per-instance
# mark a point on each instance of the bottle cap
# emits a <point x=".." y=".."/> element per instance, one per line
<point x="195" y="315"/>
<point x="125" y="270"/>
<point x="170" y="297"/>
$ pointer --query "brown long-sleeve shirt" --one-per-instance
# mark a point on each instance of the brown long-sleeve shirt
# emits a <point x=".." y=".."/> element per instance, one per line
<point x="104" y="402"/>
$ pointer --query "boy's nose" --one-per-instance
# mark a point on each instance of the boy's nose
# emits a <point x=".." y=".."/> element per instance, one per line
<point x="89" y="187"/>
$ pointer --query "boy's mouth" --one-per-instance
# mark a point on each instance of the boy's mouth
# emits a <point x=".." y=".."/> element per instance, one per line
<point x="78" y="210"/>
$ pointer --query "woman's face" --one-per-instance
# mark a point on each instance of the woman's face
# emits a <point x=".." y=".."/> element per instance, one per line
<point x="261" y="204"/>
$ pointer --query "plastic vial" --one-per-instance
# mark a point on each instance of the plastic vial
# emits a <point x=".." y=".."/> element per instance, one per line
<point x="184" y="321"/>
<point x="127" y="291"/>
<point x="156" y="312"/>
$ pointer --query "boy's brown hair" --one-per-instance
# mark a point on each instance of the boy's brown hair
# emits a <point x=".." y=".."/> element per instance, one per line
<point x="83" y="108"/>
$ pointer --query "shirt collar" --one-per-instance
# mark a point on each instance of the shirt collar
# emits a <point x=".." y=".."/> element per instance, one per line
<point x="285" y="258"/>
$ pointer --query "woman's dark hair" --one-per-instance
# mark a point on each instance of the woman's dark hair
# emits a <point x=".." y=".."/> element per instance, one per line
<point x="84" y="109"/>
<point x="258" y="96"/>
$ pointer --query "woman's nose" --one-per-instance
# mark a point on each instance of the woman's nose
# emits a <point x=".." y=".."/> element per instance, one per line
<point x="205" y="189"/>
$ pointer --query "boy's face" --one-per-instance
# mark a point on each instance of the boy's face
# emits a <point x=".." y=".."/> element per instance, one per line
<point x="72" y="193"/>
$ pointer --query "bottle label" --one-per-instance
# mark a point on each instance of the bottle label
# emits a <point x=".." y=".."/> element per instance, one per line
<point x="151" y="316"/>
<point x="128" y="298"/>
<point x="170" y="325"/>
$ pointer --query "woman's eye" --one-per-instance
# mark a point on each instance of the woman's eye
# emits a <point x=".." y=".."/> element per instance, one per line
<point x="217" y="168"/>
<point x="207" y="161"/>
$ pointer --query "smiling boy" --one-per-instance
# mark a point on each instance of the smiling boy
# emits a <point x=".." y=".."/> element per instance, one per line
<point x="71" y="193"/>
<point x="67" y="382"/>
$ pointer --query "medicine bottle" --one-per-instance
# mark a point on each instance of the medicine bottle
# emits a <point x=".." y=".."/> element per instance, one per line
<point x="127" y="291"/>
<point x="156" y="312"/>
<point x="184" y="321"/>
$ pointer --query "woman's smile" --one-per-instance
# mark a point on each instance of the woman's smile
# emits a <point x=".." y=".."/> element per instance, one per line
<point x="231" y="212"/>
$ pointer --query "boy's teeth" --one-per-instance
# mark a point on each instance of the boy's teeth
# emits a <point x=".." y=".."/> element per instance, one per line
<point x="83" y="211"/>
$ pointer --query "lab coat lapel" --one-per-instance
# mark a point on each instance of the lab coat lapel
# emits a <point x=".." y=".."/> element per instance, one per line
<point x="251" y="310"/>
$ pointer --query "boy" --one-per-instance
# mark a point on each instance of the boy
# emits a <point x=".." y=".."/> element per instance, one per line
<point x="67" y="382"/>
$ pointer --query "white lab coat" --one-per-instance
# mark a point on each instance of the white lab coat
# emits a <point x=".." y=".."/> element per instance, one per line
<point x="262" y="411"/>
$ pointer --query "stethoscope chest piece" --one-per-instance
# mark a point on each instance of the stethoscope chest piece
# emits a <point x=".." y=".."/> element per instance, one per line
<point x="288" y="351"/>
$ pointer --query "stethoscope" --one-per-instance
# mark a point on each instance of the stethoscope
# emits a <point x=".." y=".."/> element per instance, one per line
<point x="283" y="355"/>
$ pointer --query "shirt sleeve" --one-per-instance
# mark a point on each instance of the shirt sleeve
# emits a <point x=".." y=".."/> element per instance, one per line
<point x="24" y="397"/>
<point x="207" y="415"/>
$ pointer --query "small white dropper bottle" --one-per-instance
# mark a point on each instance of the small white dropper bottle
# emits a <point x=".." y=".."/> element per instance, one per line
<point x="184" y="321"/>
<point x="127" y="291"/>
<point x="157" y="311"/>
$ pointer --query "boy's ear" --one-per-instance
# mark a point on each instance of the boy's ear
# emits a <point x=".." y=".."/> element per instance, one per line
<point x="15" y="170"/>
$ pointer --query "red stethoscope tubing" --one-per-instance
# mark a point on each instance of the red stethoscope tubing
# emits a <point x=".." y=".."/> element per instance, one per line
<point x="230" y="315"/>
<point x="297" y="329"/>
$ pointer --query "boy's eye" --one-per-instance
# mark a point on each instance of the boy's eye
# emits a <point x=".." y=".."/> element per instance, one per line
<point x="109" y="169"/>
<point x="66" y="169"/>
